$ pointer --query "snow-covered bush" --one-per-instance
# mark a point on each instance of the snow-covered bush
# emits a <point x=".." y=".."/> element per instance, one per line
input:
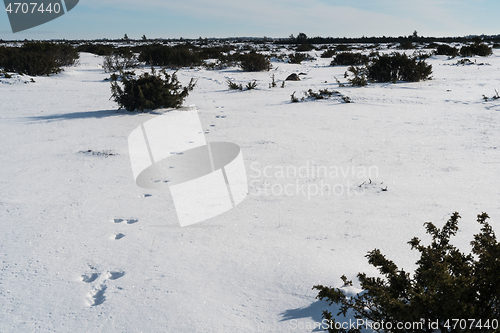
<point x="328" y="53"/>
<point x="357" y="76"/>
<point x="149" y="91"/>
<point x="322" y="94"/>
<point x="447" y="286"/>
<point x="233" y="85"/>
<point x="254" y="62"/>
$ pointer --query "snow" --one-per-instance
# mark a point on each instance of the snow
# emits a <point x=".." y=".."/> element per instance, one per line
<point x="83" y="249"/>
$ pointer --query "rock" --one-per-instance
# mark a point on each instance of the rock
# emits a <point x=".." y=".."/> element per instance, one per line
<point x="292" y="77"/>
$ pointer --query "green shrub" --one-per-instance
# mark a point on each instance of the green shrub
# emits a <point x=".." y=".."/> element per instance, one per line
<point x="149" y="91"/>
<point x="234" y="86"/>
<point x="448" y="50"/>
<point x="251" y="85"/>
<point x="479" y="49"/>
<point x="254" y="62"/>
<point x="38" y="58"/>
<point x="215" y="52"/>
<point x="349" y="59"/>
<point x="170" y="56"/>
<point x="297" y="57"/>
<point x="357" y="77"/>
<point x="119" y="61"/>
<point x="406" y="45"/>
<point x="447" y="286"/>
<point x="398" y="67"/>
<point x="328" y="53"/>
<point x="97" y="49"/>
<point x="304" y="48"/>
<point x="342" y="48"/>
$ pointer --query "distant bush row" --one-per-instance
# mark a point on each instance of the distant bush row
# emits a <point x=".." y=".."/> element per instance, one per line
<point x="479" y="49"/>
<point x="37" y="58"/>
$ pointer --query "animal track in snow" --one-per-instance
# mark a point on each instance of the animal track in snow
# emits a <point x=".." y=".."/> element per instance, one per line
<point x="88" y="278"/>
<point x="114" y="275"/>
<point x="129" y="221"/>
<point x="96" y="296"/>
<point x="118" y="236"/>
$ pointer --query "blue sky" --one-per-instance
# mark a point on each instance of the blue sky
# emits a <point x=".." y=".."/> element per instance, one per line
<point x="273" y="18"/>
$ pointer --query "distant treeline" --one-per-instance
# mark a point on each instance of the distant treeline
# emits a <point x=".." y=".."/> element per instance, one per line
<point x="45" y="58"/>
<point x="300" y="39"/>
<point x="383" y="39"/>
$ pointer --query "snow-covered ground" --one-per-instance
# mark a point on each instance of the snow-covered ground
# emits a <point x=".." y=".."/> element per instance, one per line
<point x="84" y="249"/>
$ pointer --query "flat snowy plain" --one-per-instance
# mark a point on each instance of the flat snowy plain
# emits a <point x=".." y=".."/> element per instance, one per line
<point x="84" y="249"/>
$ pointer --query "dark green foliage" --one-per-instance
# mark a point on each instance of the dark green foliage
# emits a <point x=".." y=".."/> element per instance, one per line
<point x="398" y="67"/>
<point x="149" y="91"/>
<point x="448" y="50"/>
<point x="251" y="85"/>
<point x="97" y="49"/>
<point x="304" y="48"/>
<point x="217" y="52"/>
<point x="297" y="57"/>
<point x="234" y="86"/>
<point x="479" y="49"/>
<point x="385" y="40"/>
<point x="420" y="55"/>
<point x="446" y="285"/>
<point x="254" y="62"/>
<point x="38" y="58"/>
<point x="349" y="59"/>
<point x="301" y="38"/>
<point x="319" y="95"/>
<point x="119" y="61"/>
<point x="406" y="45"/>
<point x="342" y="48"/>
<point x="357" y="77"/>
<point x="328" y="53"/>
<point x="170" y="56"/>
